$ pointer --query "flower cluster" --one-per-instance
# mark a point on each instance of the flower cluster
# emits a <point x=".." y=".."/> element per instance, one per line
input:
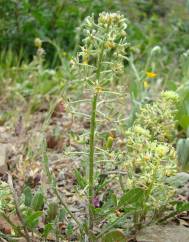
<point x="104" y="44"/>
<point x="150" y="157"/>
<point x="159" y="117"/>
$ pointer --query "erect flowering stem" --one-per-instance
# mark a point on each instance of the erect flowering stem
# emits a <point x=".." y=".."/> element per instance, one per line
<point x="91" y="160"/>
<point x="100" y="61"/>
<point x="92" y="141"/>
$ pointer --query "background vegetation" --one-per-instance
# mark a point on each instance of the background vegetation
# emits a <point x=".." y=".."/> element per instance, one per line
<point x="151" y="22"/>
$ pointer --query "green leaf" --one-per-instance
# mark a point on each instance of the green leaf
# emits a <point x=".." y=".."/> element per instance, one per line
<point x="69" y="229"/>
<point x="38" y="201"/>
<point x="184" y="121"/>
<point x="47" y="229"/>
<point x="62" y="214"/>
<point x="114" y="235"/>
<point x="183" y="153"/>
<point x="52" y="212"/>
<point x="32" y="219"/>
<point x="80" y="179"/>
<point x="182" y="207"/>
<point x="132" y="197"/>
<point x="27" y="196"/>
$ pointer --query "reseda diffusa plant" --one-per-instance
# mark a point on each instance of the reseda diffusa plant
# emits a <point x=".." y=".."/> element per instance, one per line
<point x="151" y="156"/>
<point x="99" y="62"/>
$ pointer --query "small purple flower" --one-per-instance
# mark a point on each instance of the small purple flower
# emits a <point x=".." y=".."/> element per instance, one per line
<point x="96" y="202"/>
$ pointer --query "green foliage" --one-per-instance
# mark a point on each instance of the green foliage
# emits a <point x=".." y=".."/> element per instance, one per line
<point x="61" y="21"/>
<point x="32" y="218"/>
<point x="114" y="235"/>
<point x="183" y="153"/>
<point x="183" y="112"/>
<point x="37" y="201"/>
<point x="31" y="211"/>
<point x="52" y="212"/>
<point x="182" y="206"/>
<point x="22" y="21"/>
<point x="27" y="196"/>
<point x="133" y="197"/>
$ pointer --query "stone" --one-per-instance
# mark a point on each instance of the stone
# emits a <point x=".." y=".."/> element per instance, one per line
<point x="179" y="180"/>
<point x="167" y="233"/>
<point x="3" y="155"/>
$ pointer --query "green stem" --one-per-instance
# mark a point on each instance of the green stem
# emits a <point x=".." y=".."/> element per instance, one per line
<point x="110" y="226"/>
<point x="143" y="215"/>
<point x="91" y="160"/>
<point x="92" y="143"/>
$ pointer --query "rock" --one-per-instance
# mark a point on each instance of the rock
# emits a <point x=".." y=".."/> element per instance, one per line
<point x="3" y="155"/>
<point x="168" y="233"/>
<point x="179" y="180"/>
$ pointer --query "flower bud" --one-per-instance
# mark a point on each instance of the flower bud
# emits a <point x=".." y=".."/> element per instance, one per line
<point x="37" y="42"/>
<point x="109" y="142"/>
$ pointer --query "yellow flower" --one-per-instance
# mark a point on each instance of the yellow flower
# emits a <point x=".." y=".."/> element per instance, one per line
<point x="85" y="59"/>
<point x="151" y="74"/>
<point x="146" y="84"/>
<point x="169" y="173"/>
<point x="64" y="53"/>
<point x="109" y="142"/>
<point x="146" y="157"/>
<point x="110" y="44"/>
<point x="85" y="62"/>
<point x="162" y="150"/>
<point x="72" y="62"/>
<point x="98" y="89"/>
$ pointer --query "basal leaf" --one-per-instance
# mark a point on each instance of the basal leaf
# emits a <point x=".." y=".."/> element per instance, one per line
<point x="134" y="196"/>
<point x="27" y="196"/>
<point x="114" y="236"/>
<point x="38" y="201"/>
<point x="182" y="207"/>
